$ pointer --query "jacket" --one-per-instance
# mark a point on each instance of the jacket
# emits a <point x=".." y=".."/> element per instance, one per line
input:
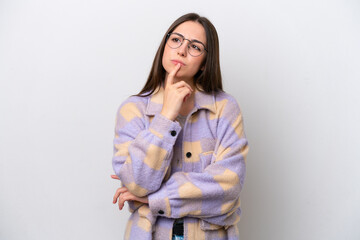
<point x="194" y="172"/>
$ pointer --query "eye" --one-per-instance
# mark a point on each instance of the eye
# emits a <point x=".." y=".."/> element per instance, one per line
<point x="175" y="39"/>
<point x="195" y="47"/>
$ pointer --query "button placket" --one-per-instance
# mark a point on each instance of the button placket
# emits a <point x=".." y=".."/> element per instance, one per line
<point x="186" y="131"/>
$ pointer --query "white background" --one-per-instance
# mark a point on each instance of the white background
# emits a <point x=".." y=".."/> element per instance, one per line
<point x="65" y="67"/>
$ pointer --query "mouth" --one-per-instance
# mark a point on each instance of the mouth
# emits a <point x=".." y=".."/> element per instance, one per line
<point x="177" y="61"/>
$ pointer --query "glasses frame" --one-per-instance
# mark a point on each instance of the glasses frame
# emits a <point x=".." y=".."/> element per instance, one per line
<point x="190" y="41"/>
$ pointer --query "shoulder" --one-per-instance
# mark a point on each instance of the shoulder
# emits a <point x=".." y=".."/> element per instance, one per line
<point x="229" y="115"/>
<point x="133" y="105"/>
<point x="226" y="104"/>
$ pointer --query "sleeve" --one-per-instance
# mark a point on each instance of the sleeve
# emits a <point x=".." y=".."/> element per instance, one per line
<point x="142" y="151"/>
<point x="212" y="195"/>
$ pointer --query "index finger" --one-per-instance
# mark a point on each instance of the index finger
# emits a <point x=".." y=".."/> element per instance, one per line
<point x="173" y="73"/>
<point x="118" y="192"/>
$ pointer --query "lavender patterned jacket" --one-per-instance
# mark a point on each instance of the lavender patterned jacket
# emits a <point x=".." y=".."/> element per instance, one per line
<point x="194" y="172"/>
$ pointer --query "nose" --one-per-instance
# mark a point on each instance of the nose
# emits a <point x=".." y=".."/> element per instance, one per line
<point x="182" y="50"/>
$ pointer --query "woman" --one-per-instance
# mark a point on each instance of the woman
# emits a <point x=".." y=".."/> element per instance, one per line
<point x="179" y="147"/>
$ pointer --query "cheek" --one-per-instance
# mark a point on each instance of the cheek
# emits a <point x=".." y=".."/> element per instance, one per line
<point x="166" y="64"/>
<point x="196" y="66"/>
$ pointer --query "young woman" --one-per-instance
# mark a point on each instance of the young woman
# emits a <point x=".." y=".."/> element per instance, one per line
<point x="180" y="147"/>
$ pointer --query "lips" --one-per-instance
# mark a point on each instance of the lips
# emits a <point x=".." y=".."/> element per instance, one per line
<point x="177" y="61"/>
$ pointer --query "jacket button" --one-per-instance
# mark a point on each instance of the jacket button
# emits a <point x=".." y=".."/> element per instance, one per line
<point x="188" y="154"/>
<point x="161" y="212"/>
<point x="173" y="133"/>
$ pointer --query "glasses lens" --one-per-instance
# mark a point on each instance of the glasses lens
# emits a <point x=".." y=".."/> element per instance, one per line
<point x="174" y="41"/>
<point x="195" y="49"/>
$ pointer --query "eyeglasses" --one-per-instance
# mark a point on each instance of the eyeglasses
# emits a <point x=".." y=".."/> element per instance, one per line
<point x="195" y="47"/>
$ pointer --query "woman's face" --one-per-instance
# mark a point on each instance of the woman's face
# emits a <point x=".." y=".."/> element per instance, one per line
<point x="189" y="65"/>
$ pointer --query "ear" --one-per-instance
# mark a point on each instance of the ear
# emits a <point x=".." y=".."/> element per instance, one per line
<point x="202" y="68"/>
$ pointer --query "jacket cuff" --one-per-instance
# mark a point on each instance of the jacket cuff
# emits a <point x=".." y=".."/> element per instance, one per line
<point x="164" y="128"/>
<point x="159" y="203"/>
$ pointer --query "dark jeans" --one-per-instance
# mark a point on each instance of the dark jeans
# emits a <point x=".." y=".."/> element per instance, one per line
<point x="178" y="228"/>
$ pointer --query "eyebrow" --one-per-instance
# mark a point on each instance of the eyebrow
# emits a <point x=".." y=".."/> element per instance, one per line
<point x="193" y="40"/>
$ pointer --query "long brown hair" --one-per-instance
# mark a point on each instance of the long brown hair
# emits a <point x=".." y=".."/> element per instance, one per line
<point x="209" y="78"/>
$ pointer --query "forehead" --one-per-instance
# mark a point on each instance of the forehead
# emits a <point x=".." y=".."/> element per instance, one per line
<point x="192" y="30"/>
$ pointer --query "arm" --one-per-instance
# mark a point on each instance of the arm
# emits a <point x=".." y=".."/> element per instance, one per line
<point x="212" y="195"/>
<point x="142" y="154"/>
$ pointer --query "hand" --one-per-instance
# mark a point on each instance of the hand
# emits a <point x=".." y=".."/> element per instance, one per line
<point x="124" y="195"/>
<point x="174" y="95"/>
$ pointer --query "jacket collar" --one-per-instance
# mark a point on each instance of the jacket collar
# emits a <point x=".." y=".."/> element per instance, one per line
<point x="202" y="101"/>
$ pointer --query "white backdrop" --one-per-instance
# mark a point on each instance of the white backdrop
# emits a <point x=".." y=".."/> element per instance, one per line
<point x="65" y="67"/>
